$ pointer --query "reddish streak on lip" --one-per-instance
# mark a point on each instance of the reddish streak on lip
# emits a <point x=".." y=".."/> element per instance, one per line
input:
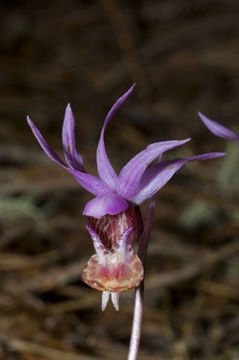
<point x="115" y="270"/>
<point x="111" y="227"/>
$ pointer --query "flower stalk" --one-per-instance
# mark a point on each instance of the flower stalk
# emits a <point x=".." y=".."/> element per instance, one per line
<point x="139" y="292"/>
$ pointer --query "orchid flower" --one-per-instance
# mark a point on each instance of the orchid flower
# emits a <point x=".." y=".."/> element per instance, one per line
<point x="218" y="129"/>
<point x="113" y="215"/>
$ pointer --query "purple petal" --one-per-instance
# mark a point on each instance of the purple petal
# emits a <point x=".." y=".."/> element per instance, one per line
<point x="68" y="139"/>
<point x="158" y="175"/>
<point x="218" y="129"/>
<point x="45" y="146"/>
<point x="89" y="182"/>
<point x="104" y="166"/>
<point x="109" y="203"/>
<point x="131" y="173"/>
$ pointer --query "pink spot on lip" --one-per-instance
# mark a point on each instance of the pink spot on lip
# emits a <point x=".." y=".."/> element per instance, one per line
<point x="114" y="278"/>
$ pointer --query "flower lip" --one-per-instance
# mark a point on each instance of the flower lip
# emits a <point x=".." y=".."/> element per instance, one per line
<point x="114" y="276"/>
<point x="114" y="267"/>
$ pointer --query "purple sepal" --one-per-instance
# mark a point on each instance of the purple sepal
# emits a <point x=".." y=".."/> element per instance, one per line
<point x="137" y="181"/>
<point x="89" y="182"/>
<point x="68" y="139"/>
<point x="218" y="129"/>
<point x="45" y="146"/>
<point x="131" y="173"/>
<point x="104" y="166"/>
<point x="109" y="203"/>
<point x="157" y="176"/>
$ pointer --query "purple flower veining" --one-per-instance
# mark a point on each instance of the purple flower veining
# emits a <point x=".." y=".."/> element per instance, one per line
<point x="113" y="215"/>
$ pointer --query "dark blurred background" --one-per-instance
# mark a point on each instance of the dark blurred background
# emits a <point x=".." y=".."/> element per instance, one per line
<point x="184" y="57"/>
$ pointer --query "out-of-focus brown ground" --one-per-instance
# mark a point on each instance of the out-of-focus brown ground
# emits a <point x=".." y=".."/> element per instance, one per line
<point x="184" y="57"/>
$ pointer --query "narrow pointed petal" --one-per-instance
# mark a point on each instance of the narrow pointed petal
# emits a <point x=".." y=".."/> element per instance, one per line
<point x="109" y="203"/>
<point x="115" y="300"/>
<point x="104" y="166"/>
<point x="105" y="299"/>
<point x="218" y="129"/>
<point x="158" y="175"/>
<point x="45" y="146"/>
<point x="89" y="182"/>
<point x="68" y="139"/>
<point x="131" y="173"/>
